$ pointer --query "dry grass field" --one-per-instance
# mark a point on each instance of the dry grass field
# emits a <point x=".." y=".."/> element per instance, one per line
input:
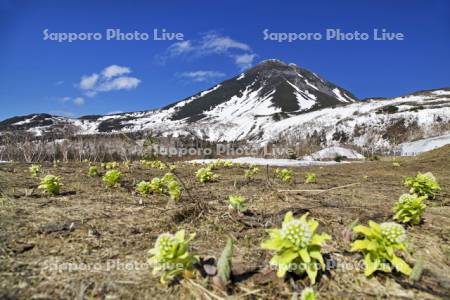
<point x="91" y="242"/>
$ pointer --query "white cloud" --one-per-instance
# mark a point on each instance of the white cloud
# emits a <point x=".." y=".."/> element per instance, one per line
<point x="119" y="83"/>
<point x="65" y="99"/>
<point x="211" y="43"/>
<point x="115" y="70"/>
<point x="109" y="79"/>
<point x="244" y="61"/>
<point x="180" y="48"/>
<point x="91" y="94"/>
<point x="88" y="82"/>
<point x="59" y="82"/>
<point x="200" y="76"/>
<point x="78" y="100"/>
<point x="215" y="43"/>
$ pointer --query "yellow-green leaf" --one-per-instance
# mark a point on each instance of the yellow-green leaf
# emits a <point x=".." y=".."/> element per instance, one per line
<point x="401" y="265"/>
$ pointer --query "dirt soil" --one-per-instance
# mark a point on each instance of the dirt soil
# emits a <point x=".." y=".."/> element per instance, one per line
<point x="91" y="242"/>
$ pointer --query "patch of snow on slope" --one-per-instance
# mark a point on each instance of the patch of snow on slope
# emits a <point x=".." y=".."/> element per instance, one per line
<point x="241" y="76"/>
<point x="26" y="121"/>
<point x="250" y="103"/>
<point x="341" y="98"/>
<point x="311" y="85"/>
<point x="441" y="93"/>
<point x="304" y="102"/>
<point x="333" y="152"/>
<point x="423" y="145"/>
<point x="268" y="161"/>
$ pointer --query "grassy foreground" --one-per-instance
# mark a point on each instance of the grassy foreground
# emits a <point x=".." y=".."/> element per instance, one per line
<point x="91" y="242"/>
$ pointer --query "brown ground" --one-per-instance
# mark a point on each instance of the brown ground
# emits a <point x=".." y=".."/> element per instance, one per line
<point x="90" y="225"/>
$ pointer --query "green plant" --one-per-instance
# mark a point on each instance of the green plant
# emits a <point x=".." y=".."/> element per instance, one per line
<point x="113" y="165"/>
<point x="206" y="175"/>
<point x="144" y="187"/>
<point x="93" y="171"/>
<point x="409" y="209"/>
<point x="112" y="178"/>
<point x="51" y="184"/>
<point x="154" y="164"/>
<point x="170" y="256"/>
<point x="297" y="247"/>
<point x="35" y="170"/>
<point x="380" y="245"/>
<point x="311" y="178"/>
<point x="308" y="294"/>
<point x="284" y="175"/>
<point x="174" y="190"/>
<point x="251" y="172"/>
<point x="167" y="185"/>
<point x="157" y="185"/>
<point x="396" y="164"/>
<point x="224" y="264"/>
<point x="424" y="184"/>
<point x="126" y="164"/>
<point x="228" y="164"/>
<point x="238" y="203"/>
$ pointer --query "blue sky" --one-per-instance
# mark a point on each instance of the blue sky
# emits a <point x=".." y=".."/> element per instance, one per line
<point x="220" y="39"/>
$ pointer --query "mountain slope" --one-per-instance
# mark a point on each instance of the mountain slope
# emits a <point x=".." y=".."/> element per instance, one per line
<point x="271" y="87"/>
<point x="271" y="102"/>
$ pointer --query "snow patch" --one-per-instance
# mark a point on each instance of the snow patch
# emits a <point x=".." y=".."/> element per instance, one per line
<point x="423" y="145"/>
<point x="268" y="161"/>
<point x="338" y="94"/>
<point x="333" y="152"/>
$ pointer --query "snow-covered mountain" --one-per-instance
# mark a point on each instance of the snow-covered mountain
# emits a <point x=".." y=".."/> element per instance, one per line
<point x="271" y="102"/>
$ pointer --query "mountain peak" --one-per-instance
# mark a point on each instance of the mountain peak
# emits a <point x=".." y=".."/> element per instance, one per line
<point x="272" y="61"/>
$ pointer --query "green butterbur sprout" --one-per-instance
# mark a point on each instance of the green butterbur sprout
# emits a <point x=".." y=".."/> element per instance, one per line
<point x="228" y="164"/>
<point x="308" y="294"/>
<point x="238" y="203"/>
<point x="112" y="178"/>
<point x="157" y="185"/>
<point x="93" y="171"/>
<point x="311" y="178"/>
<point x="35" y="170"/>
<point x="126" y="164"/>
<point x="380" y="245"/>
<point x="144" y="187"/>
<point x="154" y="164"/>
<point x="251" y="172"/>
<point x="50" y="184"/>
<point x="111" y="165"/>
<point x="409" y="209"/>
<point x="284" y="175"/>
<point x="205" y="175"/>
<point x="174" y="190"/>
<point x="170" y="256"/>
<point x="297" y="247"/>
<point x="396" y="164"/>
<point x="167" y="185"/>
<point x="424" y="184"/>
